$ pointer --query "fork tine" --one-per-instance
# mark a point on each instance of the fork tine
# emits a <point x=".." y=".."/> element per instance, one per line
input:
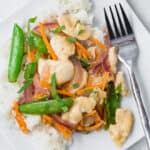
<point x="120" y="22"/>
<point x="126" y="21"/>
<point x="111" y="34"/>
<point x="114" y="23"/>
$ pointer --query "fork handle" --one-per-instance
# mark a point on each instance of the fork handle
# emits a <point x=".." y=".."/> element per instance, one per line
<point x="140" y="105"/>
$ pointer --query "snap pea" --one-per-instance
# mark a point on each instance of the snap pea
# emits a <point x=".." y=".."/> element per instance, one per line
<point x="44" y="106"/>
<point x="35" y="41"/>
<point x="16" y="53"/>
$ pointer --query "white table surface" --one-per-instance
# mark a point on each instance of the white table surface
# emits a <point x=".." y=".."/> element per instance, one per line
<point x="7" y="8"/>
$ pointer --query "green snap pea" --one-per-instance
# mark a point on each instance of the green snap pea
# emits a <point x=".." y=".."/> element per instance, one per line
<point x="16" y="54"/>
<point x="44" y="106"/>
<point x="35" y="41"/>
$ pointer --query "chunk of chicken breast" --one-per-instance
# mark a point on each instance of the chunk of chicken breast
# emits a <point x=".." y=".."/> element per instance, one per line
<point x="121" y="80"/>
<point x="81" y="105"/>
<point x="62" y="47"/>
<point x="113" y="59"/>
<point x="64" y="70"/>
<point x="73" y="27"/>
<point x="121" y="130"/>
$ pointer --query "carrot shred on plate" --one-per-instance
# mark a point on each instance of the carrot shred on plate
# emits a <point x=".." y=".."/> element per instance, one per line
<point x="62" y="129"/>
<point x="19" y="118"/>
<point x="38" y="96"/>
<point x="83" y="50"/>
<point x="31" y="54"/>
<point x="102" y="84"/>
<point x="66" y="93"/>
<point x="44" y="37"/>
<point x="45" y="84"/>
<point x="98" y="43"/>
<point x="98" y="122"/>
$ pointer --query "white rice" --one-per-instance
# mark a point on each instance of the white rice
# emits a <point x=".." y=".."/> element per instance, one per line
<point x="45" y="138"/>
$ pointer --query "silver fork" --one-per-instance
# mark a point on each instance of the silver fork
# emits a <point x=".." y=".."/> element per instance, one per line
<point x="128" y="52"/>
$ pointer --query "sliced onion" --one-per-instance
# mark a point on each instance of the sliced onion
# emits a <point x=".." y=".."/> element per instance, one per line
<point x="27" y="95"/>
<point x="101" y="63"/>
<point x="48" y="26"/>
<point x="62" y="122"/>
<point x="37" y="87"/>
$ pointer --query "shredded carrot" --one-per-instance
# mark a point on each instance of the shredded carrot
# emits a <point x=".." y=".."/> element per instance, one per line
<point x="98" y="43"/>
<point x="104" y="80"/>
<point x="43" y="34"/>
<point x="19" y="118"/>
<point x="89" y="82"/>
<point x="62" y="129"/>
<point x="98" y="122"/>
<point x="97" y="53"/>
<point x="31" y="54"/>
<point x="91" y="128"/>
<point x="84" y="52"/>
<point x="38" y="96"/>
<point x="45" y="84"/>
<point x="81" y="91"/>
<point x="63" y="92"/>
<point x="102" y="85"/>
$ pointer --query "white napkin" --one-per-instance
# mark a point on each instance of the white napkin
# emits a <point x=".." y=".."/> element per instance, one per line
<point x="141" y="9"/>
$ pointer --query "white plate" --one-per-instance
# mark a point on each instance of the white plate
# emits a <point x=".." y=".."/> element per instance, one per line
<point x="96" y="140"/>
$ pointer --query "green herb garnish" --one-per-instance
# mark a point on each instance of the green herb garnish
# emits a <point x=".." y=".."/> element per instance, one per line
<point x="80" y="32"/>
<point x="71" y="39"/>
<point x="31" y="20"/>
<point x="84" y="62"/>
<point x="75" y="85"/>
<point x="77" y="22"/>
<point x="27" y="84"/>
<point x="59" y="29"/>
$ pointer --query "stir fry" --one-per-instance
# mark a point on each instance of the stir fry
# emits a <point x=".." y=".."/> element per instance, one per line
<point x="70" y="79"/>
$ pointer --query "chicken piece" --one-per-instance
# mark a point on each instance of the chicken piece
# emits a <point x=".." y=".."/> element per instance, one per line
<point x="64" y="70"/>
<point x="121" y="80"/>
<point x="82" y="83"/>
<point x="73" y="27"/>
<point x="62" y="47"/>
<point x="92" y="51"/>
<point x="121" y="130"/>
<point x="113" y="59"/>
<point x="81" y="105"/>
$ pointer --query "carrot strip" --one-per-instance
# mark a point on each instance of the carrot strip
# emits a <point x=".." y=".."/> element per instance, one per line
<point x="89" y="82"/>
<point x="102" y="85"/>
<point x="19" y="118"/>
<point x="63" y="130"/>
<point x="31" y="54"/>
<point x="63" y="92"/>
<point x="45" y="84"/>
<point x="91" y="128"/>
<point x="50" y="50"/>
<point x="85" y="53"/>
<point x="98" y="43"/>
<point x="38" y="96"/>
<point x="104" y="80"/>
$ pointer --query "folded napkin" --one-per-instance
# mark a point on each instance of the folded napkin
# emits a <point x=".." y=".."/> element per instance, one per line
<point x="141" y="9"/>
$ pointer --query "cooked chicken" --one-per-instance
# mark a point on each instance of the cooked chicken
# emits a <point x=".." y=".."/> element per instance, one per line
<point x="64" y="70"/>
<point x="113" y="59"/>
<point x="81" y="105"/>
<point x="121" y="130"/>
<point x="62" y="47"/>
<point x="74" y="27"/>
<point x="121" y="80"/>
<point x="83" y="82"/>
<point x="92" y="51"/>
